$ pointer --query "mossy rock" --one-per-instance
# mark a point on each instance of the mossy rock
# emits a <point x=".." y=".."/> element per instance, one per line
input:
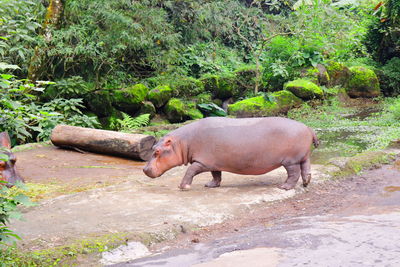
<point x="203" y="98"/>
<point x="160" y="95"/>
<point x="304" y="89"/>
<point x="259" y="106"/>
<point x="363" y="82"/>
<point x="178" y="110"/>
<point x="363" y="161"/>
<point x="253" y="107"/>
<point x="285" y="100"/>
<point x="148" y="108"/>
<point x="130" y="99"/>
<point x="221" y="86"/>
<point x="338" y="73"/>
<point x="318" y="75"/>
<point x="188" y="86"/>
<point x="100" y="102"/>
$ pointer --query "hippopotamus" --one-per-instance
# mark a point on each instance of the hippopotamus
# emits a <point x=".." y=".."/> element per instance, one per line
<point x="8" y="173"/>
<point x="248" y="146"/>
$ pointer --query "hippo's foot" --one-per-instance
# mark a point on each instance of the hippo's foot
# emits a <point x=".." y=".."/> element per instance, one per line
<point x="286" y="186"/>
<point x="184" y="187"/>
<point x="212" y="184"/>
<point x="307" y="180"/>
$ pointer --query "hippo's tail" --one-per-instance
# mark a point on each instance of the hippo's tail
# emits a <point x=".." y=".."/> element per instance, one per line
<point x="315" y="138"/>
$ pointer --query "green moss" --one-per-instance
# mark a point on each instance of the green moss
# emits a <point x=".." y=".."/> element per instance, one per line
<point x="130" y="99"/>
<point x="188" y="86"/>
<point x="246" y="77"/>
<point x="160" y="95"/>
<point x="363" y="82"/>
<point x="364" y="161"/>
<point x="178" y="110"/>
<point x="252" y="107"/>
<point x="304" y="89"/>
<point x="221" y="86"/>
<point x="286" y="100"/>
<point x="338" y="73"/>
<point x="203" y="98"/>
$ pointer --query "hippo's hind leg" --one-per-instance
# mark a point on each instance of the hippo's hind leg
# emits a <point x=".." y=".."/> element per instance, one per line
<point x="293" y="172"/>
<point x="306" y="171"/>
<point x="192" y="171"/>
<point x="216" y="181"/>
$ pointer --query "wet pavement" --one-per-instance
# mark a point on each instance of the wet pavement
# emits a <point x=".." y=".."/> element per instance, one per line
<point x="364" y="231"/>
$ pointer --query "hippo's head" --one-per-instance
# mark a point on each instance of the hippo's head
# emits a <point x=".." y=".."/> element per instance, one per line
<point x="8" y="173"/>
<point x="165" y="156"/>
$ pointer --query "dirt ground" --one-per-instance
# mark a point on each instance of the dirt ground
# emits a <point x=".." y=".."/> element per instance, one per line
<point x="85" y="195"/>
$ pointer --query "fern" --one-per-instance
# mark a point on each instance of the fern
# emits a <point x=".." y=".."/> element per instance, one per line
<point x="130" y="123"/>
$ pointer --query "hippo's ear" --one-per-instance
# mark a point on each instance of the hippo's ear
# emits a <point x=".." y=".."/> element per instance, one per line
<point x="167" y="141"/>
<point x="5" y="140"/>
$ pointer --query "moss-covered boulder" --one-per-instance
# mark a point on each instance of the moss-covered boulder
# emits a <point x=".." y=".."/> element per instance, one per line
<point x="160" y="95"/>
<point x="363" y="82"/>
<point x="178" y="110"/>
<point x="304" y="89"/>
<point x="285" y="100"/>
<point x="338" y="73"/>
<point x="279" y="102"/>
<point x="188" y="86"/>
<point x="148" y="108"/>
<point x="203" y="98"/>
<point x="221" y="86"/>
<point x="318" y="74"/>
<point x="130" y="99"/>
<point x="100" y="102"/>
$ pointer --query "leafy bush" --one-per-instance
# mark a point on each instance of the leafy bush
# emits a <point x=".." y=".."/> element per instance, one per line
<point x="389" y="77"/>
<point x="28" y="120"/>
<point x="10" y="198"/>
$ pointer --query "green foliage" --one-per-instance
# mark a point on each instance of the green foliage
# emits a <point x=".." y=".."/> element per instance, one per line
<point x="71" y="87"/>
<point x="18" y="27"/>
<point x="26" y="119"/>
<point x="10" y="198"/>
<point x="128" y="123"/>
<point x="390" y="77"/>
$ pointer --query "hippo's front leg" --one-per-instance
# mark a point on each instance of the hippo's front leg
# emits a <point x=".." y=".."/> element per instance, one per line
<point x="192" y="171"/>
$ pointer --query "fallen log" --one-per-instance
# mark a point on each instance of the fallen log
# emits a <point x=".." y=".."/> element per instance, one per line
<point x="135" y="146"/>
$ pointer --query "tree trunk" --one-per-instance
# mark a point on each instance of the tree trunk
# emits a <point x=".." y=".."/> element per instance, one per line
<point x="52" y="20"/>
<point x="135" y="146"/>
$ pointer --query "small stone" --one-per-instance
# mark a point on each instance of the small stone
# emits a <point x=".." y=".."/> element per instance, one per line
<point x="195" y="240"/>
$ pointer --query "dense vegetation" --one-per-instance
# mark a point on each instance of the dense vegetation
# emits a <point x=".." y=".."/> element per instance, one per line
<point x="108" y="61"/>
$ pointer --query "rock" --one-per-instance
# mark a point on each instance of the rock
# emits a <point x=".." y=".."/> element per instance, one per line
<point x="338" y="73"/>
<point x="160" y="95"/>
<point x="100" y="103"/>
<point x="178" y="110"/>
<point x="148" y="108"/>
<point x="130" y="99"/>
<point x="203" y="98"/>
<point x="363" y="82"/>
<point x="317" y="75"/>
<point x="304" y="89"/>
<point x="221" y="86"/>
<point x="131" y="251"/>
<point x="188" y="86"/>
<point x="260" y="106"/>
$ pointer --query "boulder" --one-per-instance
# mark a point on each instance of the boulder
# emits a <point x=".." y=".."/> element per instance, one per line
<point x="363" y="82"/>
<point x="148" y="108"/>
<point x="279" y="102"/>
<point x="338" y="73"/>
<point x="130" y="99"/>
<point x="221" y="86"/>
<point x="178" y="110"/>
<point x="304" y="89"/>
<point x="160" y="95"/>
<point x="317" y="75"/>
